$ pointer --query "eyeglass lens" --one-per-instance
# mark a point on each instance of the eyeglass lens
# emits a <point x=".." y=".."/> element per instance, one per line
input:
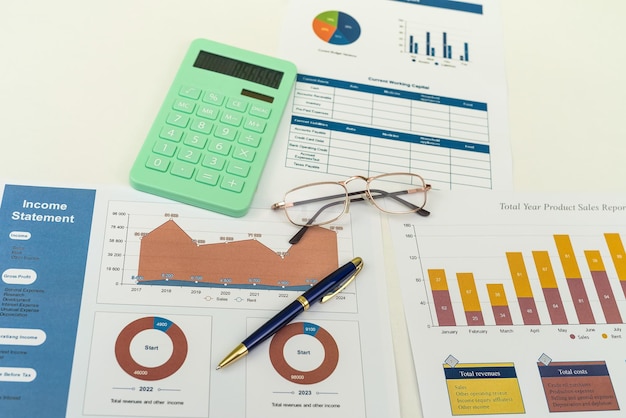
<point x="316" y="204"/>
<point x="398" y="193"/>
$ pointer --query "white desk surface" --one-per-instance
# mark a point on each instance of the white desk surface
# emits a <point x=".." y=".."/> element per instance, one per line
<point x="81" y="81"/>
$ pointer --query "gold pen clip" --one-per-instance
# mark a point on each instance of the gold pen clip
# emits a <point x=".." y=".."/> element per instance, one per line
<point x="358" y="263"/>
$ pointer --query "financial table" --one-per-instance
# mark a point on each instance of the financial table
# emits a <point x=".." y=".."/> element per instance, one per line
<point x="340" y="127"/>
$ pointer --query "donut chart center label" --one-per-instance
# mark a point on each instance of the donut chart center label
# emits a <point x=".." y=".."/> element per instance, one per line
<point x="304" y="353"/>
<point x="282" y="353"/>
<point x="336" y="28"/>
<point x="151" y="348"/>
<point x="137" y="341"/>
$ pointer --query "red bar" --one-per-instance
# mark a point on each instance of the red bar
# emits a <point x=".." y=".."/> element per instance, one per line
<point x="529" y="311"/>
<point x="555" y="306"/>
<point x="443" y="308"/>
<point x="581" y="303"/>
<point x="603" y="287"/>
<point x="502" y="315"/>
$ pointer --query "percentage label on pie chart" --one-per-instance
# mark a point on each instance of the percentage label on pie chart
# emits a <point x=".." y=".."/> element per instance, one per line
<point x="151" y="348"/>
<point x="336" y="28"/>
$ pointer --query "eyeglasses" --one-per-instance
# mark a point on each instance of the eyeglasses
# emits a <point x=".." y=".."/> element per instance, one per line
<point x="324" y="202"/>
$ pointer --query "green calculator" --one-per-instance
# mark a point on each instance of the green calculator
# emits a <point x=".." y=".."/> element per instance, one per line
<point x="213" y="133"/>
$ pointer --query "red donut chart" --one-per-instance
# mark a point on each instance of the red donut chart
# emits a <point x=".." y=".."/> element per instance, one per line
<point x="130" y="366"/>
<point x="331" y="355"/>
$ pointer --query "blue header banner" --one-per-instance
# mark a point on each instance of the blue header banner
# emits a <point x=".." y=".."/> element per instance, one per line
<point x="447" y="4"/>
<point x="384" y="91"/>
<point x="480" y="372"/>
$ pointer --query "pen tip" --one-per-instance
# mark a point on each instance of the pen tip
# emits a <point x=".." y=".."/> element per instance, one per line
<point x="217" y="368"/>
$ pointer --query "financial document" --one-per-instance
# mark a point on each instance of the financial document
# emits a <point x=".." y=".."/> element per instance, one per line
<point x="116" y="303"/>
<point x="391" y="85"/>
<point x="516" y="303"/>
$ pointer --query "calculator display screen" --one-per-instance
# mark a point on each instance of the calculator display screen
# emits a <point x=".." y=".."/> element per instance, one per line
<point x="239" y="69"/>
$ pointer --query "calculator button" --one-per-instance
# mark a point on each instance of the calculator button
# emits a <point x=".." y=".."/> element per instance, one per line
<point x="244" y="154"/>
<point x="209" y="177"/>
<point x="214" y="98"/>
<point x="190" y="92"/>
<point x="234" y="184"/>
<point x="254" y="124"/>
<point x="231" y="118"/>
<point x="173" y="134"/>
<point x="177" y="119"/>
<point x="213" y="161"/>
<point x="225" y="132"/>
<point x="184" y="105"/>
<point x="191" y="155"/>
<point x="164" y="148"/>
<point x="208" y="112"/>
<point x="219" y="147"/>
<point x="237" y="104"/>
<point x="250" y="139"/>
<point x="158" y="163"/>
<point x="181" y="169"/>
<point x="195" y="140"/>
<point x="238" y="168"/>
<point x="260" y="111"/>
<point x="200" y="125"/>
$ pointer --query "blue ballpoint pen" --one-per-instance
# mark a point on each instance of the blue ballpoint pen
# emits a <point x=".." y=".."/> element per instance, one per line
<point x="322" y="291"/>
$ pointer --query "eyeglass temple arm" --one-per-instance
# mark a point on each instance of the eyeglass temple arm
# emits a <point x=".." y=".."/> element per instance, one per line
<point x="381" y="193"/>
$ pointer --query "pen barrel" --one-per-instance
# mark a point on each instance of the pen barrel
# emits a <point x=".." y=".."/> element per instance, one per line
<point x="328" y="283"/>
<point x="273" y="325"/>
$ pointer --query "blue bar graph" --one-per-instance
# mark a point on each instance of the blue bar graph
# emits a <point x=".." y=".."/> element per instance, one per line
<point x="435" y="44"/>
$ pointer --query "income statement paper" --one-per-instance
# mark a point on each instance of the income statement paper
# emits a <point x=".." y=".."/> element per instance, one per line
<point x="117" y="303"/>
<point x="397" y="85"/>
<point x="515" y="303"/>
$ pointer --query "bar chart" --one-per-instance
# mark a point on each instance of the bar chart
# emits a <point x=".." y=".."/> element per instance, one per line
<point x="513" y="293"/>
<point x="576" y="286"/>
<point x="433" y="43"/>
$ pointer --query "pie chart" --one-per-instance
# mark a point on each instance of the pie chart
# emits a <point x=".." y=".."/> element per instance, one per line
<point x="336" y="28"/>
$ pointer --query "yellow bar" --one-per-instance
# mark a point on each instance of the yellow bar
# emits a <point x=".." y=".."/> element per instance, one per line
<point x="497" y="297"/>
<point x="594" y="260"/>
<point x="547" y="279"/>
<point x="568" y="259"/>
<point x="616" y="248"/>
<point x="519" y="275"/>
<point x="437" y="279"/>
<point x="469" y="296"/>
